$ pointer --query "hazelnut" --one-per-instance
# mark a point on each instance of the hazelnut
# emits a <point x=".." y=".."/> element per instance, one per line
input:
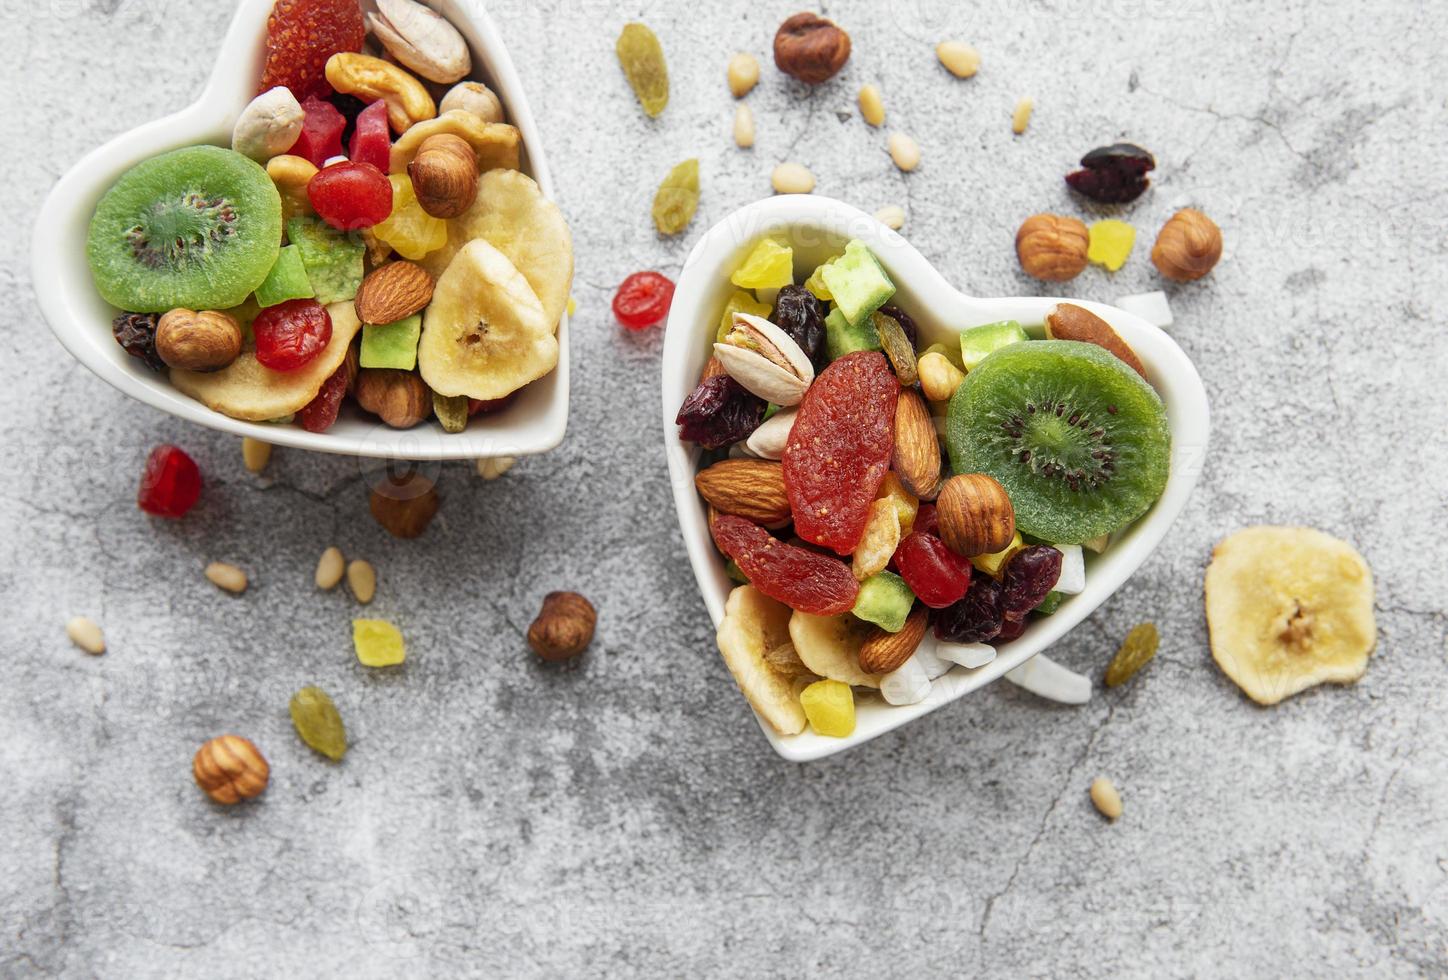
<point x="192" y="341"/>
<point x="230" y="769"/>
<point x="444" y="175"/>
<point x="399" y="398"/>
<point x="1052" y="247"/>
<point x="404" y="503"/>
<point x="1187" y="247"/>
<point x="975" y="515"/>
<point x="564" y="626"/>
<point x="810" y="48"/>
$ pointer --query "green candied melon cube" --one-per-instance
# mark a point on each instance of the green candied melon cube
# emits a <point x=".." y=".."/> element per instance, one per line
<point x="978" y="343"/>
<point x="843" y="337"/>
<point x="856" y="281"/>
<point x="884" y="600"/>
<point x="1051" y="603"/>
<point x="332" y="258"/>
<point x="391" y="345"/>
<point x="286" y="280"/>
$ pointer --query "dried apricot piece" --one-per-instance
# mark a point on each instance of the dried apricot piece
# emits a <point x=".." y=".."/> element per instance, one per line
<point x="301" y="35"/>
<point x="799" y="578"/>
<point x="839" y="449"/>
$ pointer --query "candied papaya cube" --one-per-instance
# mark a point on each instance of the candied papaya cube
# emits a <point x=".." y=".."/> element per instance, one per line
<point x="1111" y="243"/>
<point x="830" y="708"/>
<point x="378" y="643"/>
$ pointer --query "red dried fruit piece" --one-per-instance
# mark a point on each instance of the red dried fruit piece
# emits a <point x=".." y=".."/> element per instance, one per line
<point x="937" y="575"/>
<point x="839" y="449"/>
<point x="978" y="618"/>
<point x="801" y="579"/>
<point x="301" y="35"/>
<point x="322" y="127"/>
<point x="485" y="405"/>
<point x="351" y="195"/>
<point x="643" y="299"/>
<point x="719" y="412"/>
<point x="371" y="138"/>
<point x="319" y="414"/>
<point x="1029" y="575"/>
<point x="290" y="334"/>
<point x="170" y="483"/>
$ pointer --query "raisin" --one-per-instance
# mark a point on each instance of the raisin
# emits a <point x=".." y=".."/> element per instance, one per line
<point x="301" y="35"/>
<point x="977" y="618"/>
<point x="906" y="324"/>
<point x="1029" y="575"/>
<point x="839" y="449"/>
<point x="1136" y="650"/>
<point x="719" y="412"/>
<point x="319" y="723"/>
<point x="937" y="575"/>
<point x="800" y="315"/>
<point x="898" y="347"/>
<point x="1113" y="174"/>
<point x="677" y="198"/>
<point x="320" y="413"/>
<point x="799" y="578"/>
<point x="1011" y="628"/>
<point x="642" y="60"/>
<point x="136" y="333"/>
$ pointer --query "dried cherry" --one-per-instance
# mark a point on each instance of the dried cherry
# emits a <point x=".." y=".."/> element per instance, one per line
<point x="320" y="413"/>
<point x="1113" y="174"/>
<point x="136" y="333"/>
<point x="1028" y="576"/>
<point x="799" y="314"/>
<point x="643" y="299"/>
<point x="351" y="195"/>
<point x="906" y="324"/>
<point x="977" y="618"/>
<point x="719" y="412"/>
<point x="937" y="575"/>
<point x="801" y="579"/>
<point x="170" y="483"/>
<point x="301" y="35"/>
<point x="839" y="449"/>
<point x="290" y="334"/>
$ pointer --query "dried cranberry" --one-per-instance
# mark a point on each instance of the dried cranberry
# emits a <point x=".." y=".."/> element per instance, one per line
<point x="937" y="575"/>
<point x="906" y="324"/>
<point x="719" y="412"/>
<point x="290" y="334"/>
<point x="351" y="195"/>
<point x="643" y="299"/>
<point x="1113" y="174"/>
<point x="801" y="579"/>
<point x="371" y="140"/>
<point x="977" y="618"/>
<point x="321" y="137"/>
<point x="799" y="314"/>
<point x="136" y="333"/>
<point x="1028" y="576"/>
<point x="1011" y="628"/>
<point x="170" y="483"/>
<point x="319" y="414"/>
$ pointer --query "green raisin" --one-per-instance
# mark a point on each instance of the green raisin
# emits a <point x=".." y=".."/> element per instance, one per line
<point x="452" y="412"/>
<point x="1136" y="651"/>
<point x="677" y="198"/>
<point x="897" y="347"/>
<point x="318" y="722"/>
<point x="642" y="60"/>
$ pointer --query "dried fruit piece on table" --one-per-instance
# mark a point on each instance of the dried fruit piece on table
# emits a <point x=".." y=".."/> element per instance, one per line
<point x="403" y="503"/>
<point x="321" y="136"/>
<point x="1111" y="243"/>
<point x="350" y="196"/>
<point x="830" y="708"/>
<point x="897" y="347"/>
<point x="1289" y="608"/>
<point x="372" y="138"/>
<point x="564" y="626"/>
<point x="839" y="449"/>
<point x="1134" y="653"/>
<point x="136" y="333"/>
<point x="754" y="627"/>
<point x="1188" y="246"/>
<point x="1028" y="576"/>
<point x="802" y="317"/>
<point x="748" y="488"/>
<point x="230" y="769"/>
<point x="409" y="229"/>
<point x="170" y="483"/>
<point x="642" y="60"/>
<point x="810" y="48"/>
<point x="1052" y="247"/>
<point x="976" y="618"/>
<point x="677" y="198"/>
<point x="937" y="575"/>
<point x="1114" y="174"/>
<point x="301" y="35"/>
<point x="719" y="412"/>
<point x="643" y="299"/>
<point x="378" y="643"/>
<point x="318" y="722"/>
<point x="289" y="335"/>
<point x="799" y="578"/>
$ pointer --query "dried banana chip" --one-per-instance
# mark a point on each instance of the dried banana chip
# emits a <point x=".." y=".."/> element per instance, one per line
<point x="496" y="144"/>
<point x="830" y="646"/>
<point x="751" y="638"/>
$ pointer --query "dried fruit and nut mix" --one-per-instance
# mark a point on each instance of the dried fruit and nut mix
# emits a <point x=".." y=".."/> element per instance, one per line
<point x="867" y="562"/>
<point x="352" y="221"/>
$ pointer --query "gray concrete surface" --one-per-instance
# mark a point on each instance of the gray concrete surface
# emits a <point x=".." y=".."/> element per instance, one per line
<point x="623" y="817"/>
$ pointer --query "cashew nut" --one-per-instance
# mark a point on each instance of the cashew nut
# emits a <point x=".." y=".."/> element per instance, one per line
<point x="269" y="125"/>
<point x="371" y="78"/>
<point x="474" y="97"/>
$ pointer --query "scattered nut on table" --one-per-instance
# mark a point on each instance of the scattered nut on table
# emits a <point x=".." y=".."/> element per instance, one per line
<point x="892" y="216"/>
<point x="904" y="151"/>
<point x="564" y="626"/>
<point x="810" y="48"/>
<point x="227" y="577"/>
<point x="330" y="568"/>
<point x="1021" y="117"/>
<point x="1052" y="247"/>
<point x="872" y="107"/>
<point x="743" y="125"/>
<point x="404" y="506"/>
<point x="1106" y="798"/>
<point x="85" y="634"/>
<point x="255" y="454"/>
<point x="743" y="74"/>
<point x="362" y="580"/>
<point x="792" y="178"/>
<point x="1188" y="246"/>
<point x="959" y="58"/>
<point x="230" y="769"/>
<point x="494" y="467"/>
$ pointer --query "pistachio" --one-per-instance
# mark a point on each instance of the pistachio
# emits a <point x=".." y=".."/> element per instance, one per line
<point x="269" y="125"/>
<point x="421" y="39"/>
<point x="768" y="441"/>
<point x="765" y="360"/>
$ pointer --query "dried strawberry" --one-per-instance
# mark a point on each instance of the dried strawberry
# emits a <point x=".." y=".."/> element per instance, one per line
<point x="839" y="449"/>
<point x="801" y="579"/>
<point x="301" y="35"/>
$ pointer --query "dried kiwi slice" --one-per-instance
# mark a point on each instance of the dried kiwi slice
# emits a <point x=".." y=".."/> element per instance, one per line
<point x="1079" y="441"/>
<point x="198" y="227"/>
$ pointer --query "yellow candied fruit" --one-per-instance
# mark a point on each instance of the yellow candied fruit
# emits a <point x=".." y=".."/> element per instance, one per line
<point x="992" y="564"/>
<point x="951" y="352"/>
<point x="1111" y="243"/>
<point x="769" y="266"/>
<point x="572" y="305"/>
<point x="816" y="281"/>
<point x="740" y="302"/>
<point x="378" y="643"/>
<point x="410" y="230"/>
<point x="907" y="505"/>
<point x="830" y="708"/>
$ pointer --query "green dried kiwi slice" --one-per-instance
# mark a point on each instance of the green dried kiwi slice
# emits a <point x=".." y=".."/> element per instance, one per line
<point x="196" y="228"/>
<point x="1079" y="441"/>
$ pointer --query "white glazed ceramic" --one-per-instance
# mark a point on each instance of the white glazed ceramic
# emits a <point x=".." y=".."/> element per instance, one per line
<point x="818" y="227"/>
<point x="81" y="320"/>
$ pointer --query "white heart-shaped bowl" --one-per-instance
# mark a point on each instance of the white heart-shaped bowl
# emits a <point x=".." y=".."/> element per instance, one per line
<point x="817" y="228"/>
<point x="81" y="320"/>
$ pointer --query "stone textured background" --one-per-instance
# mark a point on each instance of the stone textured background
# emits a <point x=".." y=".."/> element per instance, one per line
<point x="624" y="816"/>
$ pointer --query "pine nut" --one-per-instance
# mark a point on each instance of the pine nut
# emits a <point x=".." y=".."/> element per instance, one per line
<point x="255" y="453"/>
<point x="330" y="568"/>
<point x="1021" y="118"/>
<point x="1107" y="800"/>
<point x="743" y="74"/>
<point x="225" y="576"/>
<point x="792" y="178"/>
<point x="904" y="151"/>
<point x="743" y="125"/>
<point x="362" y="580"/>
<point x="892" y="216"/>
<point x="959" y="58"/>
<point x="85" y="634"/>
<point x="491" y="469"/>
<point x="871" y="106"/>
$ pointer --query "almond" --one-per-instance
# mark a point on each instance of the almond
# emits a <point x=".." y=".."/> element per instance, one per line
<point x="394" y="291"/>
<point x="975" y="515"/>
<point x="748" y="488"/>
<point x="917" y="449"/>
<point x="882" y="652"/>
<point x="1066" y="321"/>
